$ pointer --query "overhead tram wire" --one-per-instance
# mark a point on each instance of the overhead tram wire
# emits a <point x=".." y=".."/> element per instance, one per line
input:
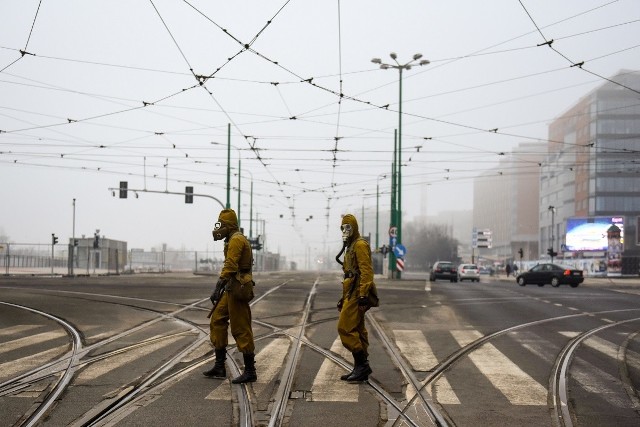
<point x="337" y="134"/>
<point x="574" y="64"/>
<point x="24" y="51"/>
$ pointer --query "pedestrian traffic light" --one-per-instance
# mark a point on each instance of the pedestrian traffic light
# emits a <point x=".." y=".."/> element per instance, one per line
<point x="54" y="239"/>
<point x="551" y="252"/>
<point x="123" y="189"/>
<point x="188" y="195"/>
<point x="521" y="252"/>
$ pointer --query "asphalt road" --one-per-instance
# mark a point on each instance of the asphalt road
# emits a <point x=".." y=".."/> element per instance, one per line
<point x="129" y="350"/>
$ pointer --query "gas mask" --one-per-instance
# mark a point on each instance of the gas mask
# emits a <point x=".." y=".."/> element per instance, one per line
<point x="346" y="231"/>
<point x="220" y="231"/>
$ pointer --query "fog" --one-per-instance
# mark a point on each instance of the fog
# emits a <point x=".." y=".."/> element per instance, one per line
<point x="94" y="93"/>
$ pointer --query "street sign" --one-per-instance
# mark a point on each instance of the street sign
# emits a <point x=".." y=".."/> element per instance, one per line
<point x="400" y="264"/>
<point x="481" y="238"/>
<point x="393" y="231"/>
<point x="399" y="251"/>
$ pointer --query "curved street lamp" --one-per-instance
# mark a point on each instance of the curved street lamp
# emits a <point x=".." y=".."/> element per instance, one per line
<point x="398" y="154"/>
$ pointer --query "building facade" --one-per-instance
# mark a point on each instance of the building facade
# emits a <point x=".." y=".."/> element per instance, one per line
<point x="592" y="167"/>
<point x="505" y="201"/>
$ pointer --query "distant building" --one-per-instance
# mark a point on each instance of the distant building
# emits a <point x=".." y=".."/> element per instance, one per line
<point x="592" y="167"/>
<point x="99" y="255"/>
<point x="505" y="201"/>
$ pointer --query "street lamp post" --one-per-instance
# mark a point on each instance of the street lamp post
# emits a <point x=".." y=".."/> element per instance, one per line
<point x="383" y="175"/>
<point x="400" y="68"/>
<point x="553" y="238"/>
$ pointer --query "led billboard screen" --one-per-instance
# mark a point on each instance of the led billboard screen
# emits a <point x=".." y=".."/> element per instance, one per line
<point x="590" y="234"/>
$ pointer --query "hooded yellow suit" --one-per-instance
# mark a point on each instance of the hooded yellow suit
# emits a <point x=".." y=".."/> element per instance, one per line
<point x="357" y="262"/>
<point x="237" y="263"/>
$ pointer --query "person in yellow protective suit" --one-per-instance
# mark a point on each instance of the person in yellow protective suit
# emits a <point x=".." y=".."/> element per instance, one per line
<point x="358" y="290"/>
<point x="229" y="308"/>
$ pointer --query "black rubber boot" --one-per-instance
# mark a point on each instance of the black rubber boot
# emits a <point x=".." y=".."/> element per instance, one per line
<point x="249" y="374"/>
<point x="361" y="370"/>
<point x="218" y="370"/>
<point x="346" y="376"/>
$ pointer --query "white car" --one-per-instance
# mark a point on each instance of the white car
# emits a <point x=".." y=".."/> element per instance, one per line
<point x="468" y="272"/>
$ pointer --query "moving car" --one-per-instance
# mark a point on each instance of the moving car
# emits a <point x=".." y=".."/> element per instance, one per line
<point x="554" y="274"/>
<point x="443" y="270"/>
<point x="468" y="272"/>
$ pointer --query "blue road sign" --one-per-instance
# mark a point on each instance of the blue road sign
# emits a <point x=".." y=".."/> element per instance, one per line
<point x="400" y="251"/>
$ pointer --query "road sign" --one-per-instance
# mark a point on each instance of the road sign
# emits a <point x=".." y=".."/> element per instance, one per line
<point x="481" y="238"/>
<point x="399" y="251"/>
<point x="400" y="264"/>
<point x="393" y="231"/>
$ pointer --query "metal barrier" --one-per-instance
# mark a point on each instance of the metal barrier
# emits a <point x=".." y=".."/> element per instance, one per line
<point x="43" y="259"/>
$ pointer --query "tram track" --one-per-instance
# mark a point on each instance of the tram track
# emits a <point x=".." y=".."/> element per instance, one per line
<point x="456" y="356"/>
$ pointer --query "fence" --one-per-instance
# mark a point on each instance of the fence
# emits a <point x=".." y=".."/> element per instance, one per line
<point x="38" y="259"/>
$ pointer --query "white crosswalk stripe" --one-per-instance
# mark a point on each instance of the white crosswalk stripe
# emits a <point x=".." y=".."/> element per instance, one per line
<point x="327" y="386"/>
<point x="515" y="384"/>
<point x="13" y="368"/>
<point x="17" y="329"/>
<point x="103" y="367"/>
<point x="30" y="340"/>
<point x="415" y="349"/>
<point x="269" y="361"/>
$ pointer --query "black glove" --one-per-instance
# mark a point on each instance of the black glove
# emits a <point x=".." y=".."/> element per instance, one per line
<point x="217" y="293"/>
<point x="339" y="305"/>
<point x="363" y="304"/>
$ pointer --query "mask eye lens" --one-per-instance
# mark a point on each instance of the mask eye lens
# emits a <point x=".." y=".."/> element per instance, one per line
<point x="217" y="226"/>
<point x="345" y="227"/>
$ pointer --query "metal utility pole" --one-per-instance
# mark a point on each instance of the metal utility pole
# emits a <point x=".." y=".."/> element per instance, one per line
<point x="228" y="165"/>
<point x="400" y="67"/>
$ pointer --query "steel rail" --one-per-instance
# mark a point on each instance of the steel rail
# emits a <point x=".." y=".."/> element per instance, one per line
<point x="561" y="372"/>
<point x="463" y="351"/>
<point x="64" y="380"/>
<point x="282" y="394"/>
<point x="434" y="415"/>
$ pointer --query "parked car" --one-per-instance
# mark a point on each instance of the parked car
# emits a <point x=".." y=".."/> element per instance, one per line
<point x="468" y="272"/>
<point x="443" y="270"/>
<point x="554" y="274"/>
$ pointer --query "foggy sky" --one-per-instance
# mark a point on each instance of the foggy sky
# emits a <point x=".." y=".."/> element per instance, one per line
<point x="143" y="92"/>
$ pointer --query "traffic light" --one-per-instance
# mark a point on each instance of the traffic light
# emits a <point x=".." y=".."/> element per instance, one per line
<point x="188" y="195"/>
<point x="521" y="252"/>
<point x="54" y="239"/>
<point x="75" y="242"/>
<point x="123" y="189"/>
<point x="96" y="241"/>
<point x="255" y="243"/>
<point x="551" y="252"/>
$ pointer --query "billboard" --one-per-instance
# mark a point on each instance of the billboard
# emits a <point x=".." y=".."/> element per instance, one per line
<point x="590" y="233"/>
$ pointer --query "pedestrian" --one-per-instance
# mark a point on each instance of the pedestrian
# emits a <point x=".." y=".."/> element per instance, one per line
<point x="230" y="299"/>
<point x="507" y="269"/>
<point x="515" y="270"/>
<point x="358" y="295"/>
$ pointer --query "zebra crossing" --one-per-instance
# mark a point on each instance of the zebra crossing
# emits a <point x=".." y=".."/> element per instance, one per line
<point x="508" y="379"/>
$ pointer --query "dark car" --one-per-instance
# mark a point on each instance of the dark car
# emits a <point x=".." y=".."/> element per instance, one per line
<point x="443" y="270"/>
<point x="554" y="274"/>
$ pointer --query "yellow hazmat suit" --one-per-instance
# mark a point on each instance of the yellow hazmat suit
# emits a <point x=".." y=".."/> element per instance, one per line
<point x="237" y="263"/>
<point x="357" y="267"/>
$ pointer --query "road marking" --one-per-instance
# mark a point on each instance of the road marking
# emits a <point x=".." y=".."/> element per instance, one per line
<point x="515" y="384"/>
<point x="10" y="369"/>
<point x="17" y="329"/>
<point x="269" y="362"/>
<point x="443" y="392"/>
<point x="105" y="366"/>
<point x="416" y="349"/>
<point x="589" y="377"/>
<point x="221" y="392"/>
<point x="31" y="340"/>
<point x="327" y="386"/>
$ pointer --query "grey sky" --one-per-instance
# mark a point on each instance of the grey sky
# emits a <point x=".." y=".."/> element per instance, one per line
<point x="104" y="85"/>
